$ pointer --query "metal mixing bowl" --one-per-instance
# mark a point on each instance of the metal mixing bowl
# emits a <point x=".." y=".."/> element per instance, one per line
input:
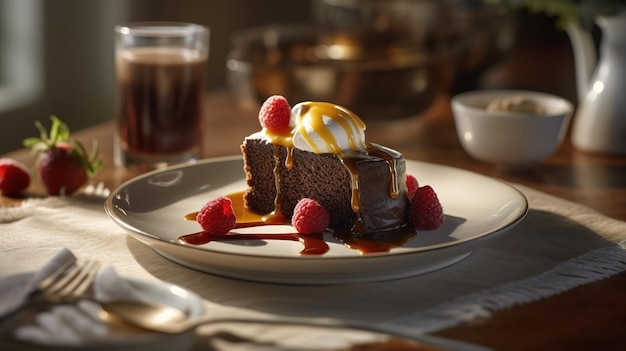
<point x="377" y="78"/>
<point x="487" y="32"/>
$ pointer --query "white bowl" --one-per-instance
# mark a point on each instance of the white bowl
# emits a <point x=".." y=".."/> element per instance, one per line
<point x="510" y="139"/>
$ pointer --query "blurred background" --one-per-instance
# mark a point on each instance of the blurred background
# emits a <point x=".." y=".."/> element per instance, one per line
<point x="56" y="57"/>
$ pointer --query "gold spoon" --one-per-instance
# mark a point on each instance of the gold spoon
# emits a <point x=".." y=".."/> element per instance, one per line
<point x="170" y="320"/>
<point x="159" y="318"/>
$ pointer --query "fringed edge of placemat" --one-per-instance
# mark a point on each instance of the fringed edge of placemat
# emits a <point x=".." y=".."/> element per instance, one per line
<point x="27" y="207"/>
<point x="591" y="267"/>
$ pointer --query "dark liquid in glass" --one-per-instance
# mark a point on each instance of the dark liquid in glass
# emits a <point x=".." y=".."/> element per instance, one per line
<point x="160" y="103"/>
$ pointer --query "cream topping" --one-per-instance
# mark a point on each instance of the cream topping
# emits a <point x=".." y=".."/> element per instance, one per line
<point x="322" y="127"/>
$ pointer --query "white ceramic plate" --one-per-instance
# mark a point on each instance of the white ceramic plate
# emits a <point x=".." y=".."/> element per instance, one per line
<point x="156" y="291"/>
<point x="151" y="208"/>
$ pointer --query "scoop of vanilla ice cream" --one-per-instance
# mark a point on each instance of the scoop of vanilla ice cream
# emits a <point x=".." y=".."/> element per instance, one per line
<point x="322" y="127"/>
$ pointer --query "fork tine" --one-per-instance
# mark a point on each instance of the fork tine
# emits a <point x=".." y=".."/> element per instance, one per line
<point x="80" y="287"/>
<point x="61" y="282"/>
<point x="52" y="278"/>
<point x="73" y="283"/>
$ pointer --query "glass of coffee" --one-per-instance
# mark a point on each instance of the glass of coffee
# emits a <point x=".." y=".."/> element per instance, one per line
<point x="160" y="75"/>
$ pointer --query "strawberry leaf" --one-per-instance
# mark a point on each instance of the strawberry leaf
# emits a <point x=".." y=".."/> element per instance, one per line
<point x="90" y="161"/>
<point x="31" y="142"/>
<point x="59" y="132"/>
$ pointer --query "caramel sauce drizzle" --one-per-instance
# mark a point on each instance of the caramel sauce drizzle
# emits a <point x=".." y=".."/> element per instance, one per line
<point x="365" y="241"/>
<point x="314" y="244"/>
<point x="276" y="216"/>
<point x="349" y="121"/>
<point x="315" y="112"/>
<point x="289" y="158"/>
<point x="394" y="181"/>
<point x="283" y="137"/>
<point x="373" y="242"/>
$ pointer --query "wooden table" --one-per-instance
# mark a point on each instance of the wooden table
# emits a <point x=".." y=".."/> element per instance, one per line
<point x="592" y="317"/>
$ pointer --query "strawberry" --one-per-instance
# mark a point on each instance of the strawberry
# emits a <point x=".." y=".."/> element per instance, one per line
<point x="309" y="217"/>
<point x="275" y="114"/>
<point x="217" y="216"/>
<point x="63" y="165"/>
<point x="14" y="177"/>
<point x="426" y="212"/>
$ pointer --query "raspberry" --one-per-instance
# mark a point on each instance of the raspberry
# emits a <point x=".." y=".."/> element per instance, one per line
<point x="275" y="114"/>
<point x="310" y="217"/>
<point x="426" y="212"/>
<point x="217" y="216"/>
<point x="411" y="185"/>
<point x="14" y="177"/>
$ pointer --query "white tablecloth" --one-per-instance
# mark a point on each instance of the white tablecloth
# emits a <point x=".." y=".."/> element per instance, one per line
<point x="560" y="245"/>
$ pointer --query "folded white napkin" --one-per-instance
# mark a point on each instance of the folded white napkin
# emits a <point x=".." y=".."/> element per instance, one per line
<point x="14" y="290"/>
<point x="66" y="324"/>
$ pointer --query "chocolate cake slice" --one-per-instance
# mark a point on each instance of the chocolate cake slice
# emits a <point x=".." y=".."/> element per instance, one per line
<point x="366" y="189"/>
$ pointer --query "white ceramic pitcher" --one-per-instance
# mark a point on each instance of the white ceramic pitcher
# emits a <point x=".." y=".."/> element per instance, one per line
<point x="600" y="121"/>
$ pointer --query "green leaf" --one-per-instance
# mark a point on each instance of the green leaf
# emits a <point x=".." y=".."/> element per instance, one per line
<point x="59" y="131"/>
<point x="89" y="160"/>
<point x="30" y="142"/>
<point x="567" y="11"/>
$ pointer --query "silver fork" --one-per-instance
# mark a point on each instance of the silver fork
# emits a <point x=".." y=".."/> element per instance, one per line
<point x="99" y="190"/>
<point x="67" y="283"/>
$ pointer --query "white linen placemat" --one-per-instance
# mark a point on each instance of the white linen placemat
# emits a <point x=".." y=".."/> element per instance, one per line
<point x="560" y="245"/>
